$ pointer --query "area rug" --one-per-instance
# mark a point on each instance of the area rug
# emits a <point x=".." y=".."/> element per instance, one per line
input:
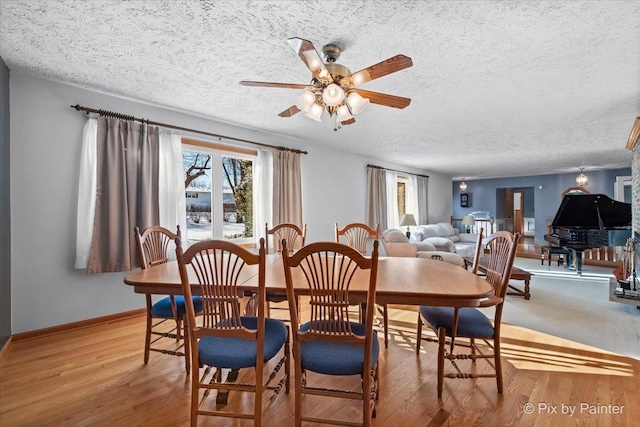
<point x="576" y="308"/>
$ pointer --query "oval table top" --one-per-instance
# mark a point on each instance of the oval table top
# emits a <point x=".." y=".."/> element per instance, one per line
<point x="410" y="281"/>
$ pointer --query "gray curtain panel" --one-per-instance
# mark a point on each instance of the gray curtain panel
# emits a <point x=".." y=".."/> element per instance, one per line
<point x="423" y="200"/>
<point x="376" y="197"/>
<point x="287" y="188"/>
<point x="127" y="192"/>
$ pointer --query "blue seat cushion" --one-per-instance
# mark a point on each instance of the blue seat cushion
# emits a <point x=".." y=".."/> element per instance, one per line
<point x="162" y="308"/>
<point x="472" y="323"/>
<point x="337" y="358"/>
<point x="237" y="353"/>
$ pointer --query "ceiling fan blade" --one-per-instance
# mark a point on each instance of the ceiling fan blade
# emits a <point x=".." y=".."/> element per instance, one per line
<point x="381" y="69"/>
<point x="268" y="84"/>
<point x="290" y="111"/>
<point x="311" y="58"/>
<point x="383" y="98"/>
<point x="348" y="122"/>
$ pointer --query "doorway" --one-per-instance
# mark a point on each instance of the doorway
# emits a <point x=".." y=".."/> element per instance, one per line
<point x="515" y="207"/>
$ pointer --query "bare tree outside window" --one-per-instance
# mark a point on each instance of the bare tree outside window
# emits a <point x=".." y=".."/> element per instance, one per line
<point x="238" y="175"/>
<point x="195" y="166"/>
<point x="236" y="221"/>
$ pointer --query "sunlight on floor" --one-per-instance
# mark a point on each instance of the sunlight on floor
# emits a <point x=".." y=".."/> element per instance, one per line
<point x="523" y="348"/>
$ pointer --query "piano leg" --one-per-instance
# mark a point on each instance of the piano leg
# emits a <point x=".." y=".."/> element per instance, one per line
<point x="579" y="261"/>
<point x="574" y="260"/>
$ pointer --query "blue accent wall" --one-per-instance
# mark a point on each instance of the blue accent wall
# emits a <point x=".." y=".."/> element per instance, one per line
<point x="542" y="194"/>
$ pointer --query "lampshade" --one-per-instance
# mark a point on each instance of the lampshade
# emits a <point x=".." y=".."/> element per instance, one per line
<point x="305" y="100"/>
<point x="463" y="186"/>
<point x="343" y="113"/>
<point x="357" y="103"/>
<point x="582" y="179"/>
<point x="315" y="112"/>
<point x="333" y="95"/>
<point x="468" y="220"/>
<point x="408" y="219"/>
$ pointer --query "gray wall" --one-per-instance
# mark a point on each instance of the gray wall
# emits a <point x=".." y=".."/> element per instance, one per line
<point x="547" y="192"/>
<point x="5" y="209"/>
<point x="46" y="135"/>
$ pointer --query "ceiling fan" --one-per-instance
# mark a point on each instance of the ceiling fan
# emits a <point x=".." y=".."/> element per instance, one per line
<point x="333" y="86"/>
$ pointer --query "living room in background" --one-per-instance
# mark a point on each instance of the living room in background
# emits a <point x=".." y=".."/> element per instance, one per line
<point x="219" y="192"/>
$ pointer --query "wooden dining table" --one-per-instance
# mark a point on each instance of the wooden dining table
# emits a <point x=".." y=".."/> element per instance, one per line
<point x="406" y="281"/>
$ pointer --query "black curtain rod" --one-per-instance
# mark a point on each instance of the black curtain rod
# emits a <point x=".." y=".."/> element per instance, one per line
<point x="114" y="115"/>
<point x="395" y="170"/>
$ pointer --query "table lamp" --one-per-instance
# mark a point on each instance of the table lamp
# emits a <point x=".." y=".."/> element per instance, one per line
<point x="468" y="221"/>
<point x="408" y="219"/>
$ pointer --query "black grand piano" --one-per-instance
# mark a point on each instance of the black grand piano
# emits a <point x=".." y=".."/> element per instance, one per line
<point x="587" y="221"/>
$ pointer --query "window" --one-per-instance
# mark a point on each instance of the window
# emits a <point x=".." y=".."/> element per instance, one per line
<point x="219" y="192"/>
<point x="402" y="195"/>
<point x="402" y="198"/>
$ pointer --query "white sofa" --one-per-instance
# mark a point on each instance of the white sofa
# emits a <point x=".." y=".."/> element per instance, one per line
<point x="396" y="244"/>
<point x="445" y="238"/>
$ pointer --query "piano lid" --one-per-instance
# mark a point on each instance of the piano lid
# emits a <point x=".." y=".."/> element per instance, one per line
<point x="592" y="211"/>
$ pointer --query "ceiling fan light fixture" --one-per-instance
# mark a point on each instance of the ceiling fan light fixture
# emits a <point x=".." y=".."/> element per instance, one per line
<point x="343" y="113"/>
<point x="305" y="100"/>
<point x="332" y="95"/>
<point x="357" y="103"/>
<point x="315" y="112"/>
<point x="332" y="85"/>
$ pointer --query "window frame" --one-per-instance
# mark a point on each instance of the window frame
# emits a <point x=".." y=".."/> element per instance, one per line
<point x="217" y="151"/>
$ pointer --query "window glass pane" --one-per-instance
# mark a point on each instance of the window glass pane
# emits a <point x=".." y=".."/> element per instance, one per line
<point x="627" y="193"/>
<point x="402" y="206"/>
<point x="197" y="168"/>
<point x="237" y="198"/>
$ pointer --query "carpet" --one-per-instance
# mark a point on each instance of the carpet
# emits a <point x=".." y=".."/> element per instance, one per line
<point x="576" y="308"/>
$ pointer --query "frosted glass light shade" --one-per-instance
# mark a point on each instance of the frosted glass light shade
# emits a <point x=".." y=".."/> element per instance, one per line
<point x="333" y="95"/>
<point x="343" y="113"/>
<point x="357" y="103"/>
<point x="315" y="112"/>
<point x="305" y="100"/>
<point x="582" y="179"/>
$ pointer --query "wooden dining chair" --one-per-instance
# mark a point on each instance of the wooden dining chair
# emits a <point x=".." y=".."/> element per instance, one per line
<point x="357" y="235"/>
<point x="478" y="252"/>
<point x="153" y="249"/>
<point x="227" y="340"/>
<point x="295" y="238"/>
<point x="330" y="344"/>
<point x="470" y="324"/>
<point x="291" y="233"/>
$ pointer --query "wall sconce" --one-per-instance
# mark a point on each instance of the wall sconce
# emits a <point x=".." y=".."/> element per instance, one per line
<point x="463" y="186"/>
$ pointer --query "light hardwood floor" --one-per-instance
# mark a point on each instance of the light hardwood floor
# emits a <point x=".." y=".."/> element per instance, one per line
<point x="96" y="377"/>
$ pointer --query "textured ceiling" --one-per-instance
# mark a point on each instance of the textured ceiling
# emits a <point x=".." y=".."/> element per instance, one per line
<point x="498" y="88"/>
